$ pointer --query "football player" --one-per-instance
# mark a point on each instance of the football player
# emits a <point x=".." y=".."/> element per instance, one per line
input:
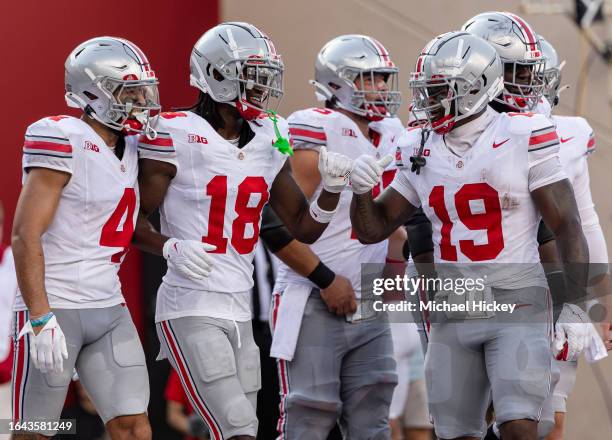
<point x="74" y="220"/>
<point x="489" y="177"/>
<point x="577" y="144"/>
<point x="508" y="33"/>
<point x="211" y="170"/>
<point x="340" y="366"/>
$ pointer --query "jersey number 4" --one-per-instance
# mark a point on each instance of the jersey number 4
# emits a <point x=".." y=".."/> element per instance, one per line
<point x="489" y="220"/>
<point x="217" y="190"/>
<point x="111" y="235"/>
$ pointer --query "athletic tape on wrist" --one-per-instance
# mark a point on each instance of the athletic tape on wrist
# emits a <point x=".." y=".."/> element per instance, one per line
<point x="320" y="215"/>
<point x="41" y="321"/>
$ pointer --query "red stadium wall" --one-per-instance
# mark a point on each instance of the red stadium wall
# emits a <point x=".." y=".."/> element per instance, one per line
<point x="37" y="36"/>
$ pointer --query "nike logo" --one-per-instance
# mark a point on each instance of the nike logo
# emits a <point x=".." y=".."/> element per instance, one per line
<point x="499" y="144"/>
<point x="566" y="139"/>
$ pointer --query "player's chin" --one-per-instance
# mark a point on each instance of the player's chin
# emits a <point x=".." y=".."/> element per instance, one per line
<point x="257" y="101"/>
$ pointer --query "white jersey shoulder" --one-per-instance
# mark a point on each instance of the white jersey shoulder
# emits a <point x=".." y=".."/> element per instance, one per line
<point x="47" y="143"/>
<point x="94" y="222"/>
<point x="309" y="127"/>
<point x="575" y="135"/>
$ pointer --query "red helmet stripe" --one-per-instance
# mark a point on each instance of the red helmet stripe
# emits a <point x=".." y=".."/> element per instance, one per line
<point x="527" y="32"/>
<point x="142" y="59"/>
<point x="382" y="52"/>
<point x="419" y="64"/>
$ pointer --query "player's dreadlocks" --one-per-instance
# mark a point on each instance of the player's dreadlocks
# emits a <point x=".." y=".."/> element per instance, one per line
<point x="208" y="108"/>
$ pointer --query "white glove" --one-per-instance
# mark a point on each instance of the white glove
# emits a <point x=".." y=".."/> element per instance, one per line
<point x="572" y="333"/>
<point x="189" y="257"/>
<point x="367" y="172"/>
<point x="334" y="169"/>
<point x="48" y="348"/>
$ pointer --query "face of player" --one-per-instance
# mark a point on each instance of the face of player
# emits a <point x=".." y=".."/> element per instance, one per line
<point x="522" y="75"/>
<point x="434" y="98"/>
<point x="260" y="84"/>
<point x="372" y="85"/>
<point x="137" y="97"/>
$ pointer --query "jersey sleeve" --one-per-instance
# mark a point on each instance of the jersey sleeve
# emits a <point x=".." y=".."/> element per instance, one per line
<point x="307" y="129"/>
<point x="161" y="148"/>
<point x="590" y="140"/>
<point x="543" y="154"/>
<point x="46" y="146"/>
<point x="591" y="143"/>
<point x="401" y="183"/>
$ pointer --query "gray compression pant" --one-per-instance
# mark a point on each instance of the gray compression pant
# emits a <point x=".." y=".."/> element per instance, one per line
<point x="507" y="357"/>
<point x="104" y="347"/>
<point x="217" y="361"/>
<point x="340" y="371"/>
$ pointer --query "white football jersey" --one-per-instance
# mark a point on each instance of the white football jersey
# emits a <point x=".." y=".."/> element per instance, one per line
<point x="216" y="197"/>
<point x="96" y="215"/>
<point x="338" y="247"/>
<point x="577" y="142"/>
<point x="479" y="204"/>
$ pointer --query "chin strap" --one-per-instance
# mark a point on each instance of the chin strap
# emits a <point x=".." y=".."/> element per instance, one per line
<point x="248" y="112"/>
<point x="419" y="160"/>
<point x="281" y="143"/>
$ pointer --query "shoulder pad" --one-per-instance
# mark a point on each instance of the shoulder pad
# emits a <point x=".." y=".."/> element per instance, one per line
<point x="525" y="123"/>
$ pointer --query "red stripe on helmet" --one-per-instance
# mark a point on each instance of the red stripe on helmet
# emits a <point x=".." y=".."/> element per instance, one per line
<point x="419" y="64"/>
<point x="382" y="52"/>
<point x="525" y="29"/>
<point x="142" y="58"/>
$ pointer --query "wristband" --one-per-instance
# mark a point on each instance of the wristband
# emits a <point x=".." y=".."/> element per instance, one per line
<point x="41" y="320"/>
<point x="322" y="276"/>
<point x="320" y="215"/>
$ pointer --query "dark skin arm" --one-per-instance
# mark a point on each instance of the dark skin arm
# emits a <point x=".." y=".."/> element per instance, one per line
<point x="290" y="204"/>
<point x="154" y="178"/>
<point x="557" y="206"/>
<point x="36" y="209"/>
<point x="375" y="220"/>
<point x="338" y="296"/>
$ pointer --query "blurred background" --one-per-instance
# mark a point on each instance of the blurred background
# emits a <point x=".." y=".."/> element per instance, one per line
<point x="37" y="36"/>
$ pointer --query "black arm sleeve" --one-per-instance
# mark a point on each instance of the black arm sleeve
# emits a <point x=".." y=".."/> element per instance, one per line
<point x="273" y="232"/>
<point x="544" y="234"/>
<point x="419" y="234"/>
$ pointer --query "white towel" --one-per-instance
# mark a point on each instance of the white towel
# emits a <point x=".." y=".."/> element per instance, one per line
<point x="596" y="350"/>
<point x="289" y="320"/>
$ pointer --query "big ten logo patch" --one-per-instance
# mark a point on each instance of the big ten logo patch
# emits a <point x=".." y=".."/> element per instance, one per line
<point x="196" y="139"/>
<point x="91" y="146"/>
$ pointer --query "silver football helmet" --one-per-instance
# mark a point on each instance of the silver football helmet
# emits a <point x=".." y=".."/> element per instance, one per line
<point x="111" y="80"/>
<point x="236" y="63"/>
<point x="519" y="49"/>
<point x="552" y="72"/>
<point x="346" y="71"/>
<point x="456" y="75"/>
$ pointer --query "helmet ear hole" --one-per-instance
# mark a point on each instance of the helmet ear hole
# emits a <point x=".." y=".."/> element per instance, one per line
<point x="216" y="75"/>
<point x="333" y="85"/>
<point x="90" y="95"/>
